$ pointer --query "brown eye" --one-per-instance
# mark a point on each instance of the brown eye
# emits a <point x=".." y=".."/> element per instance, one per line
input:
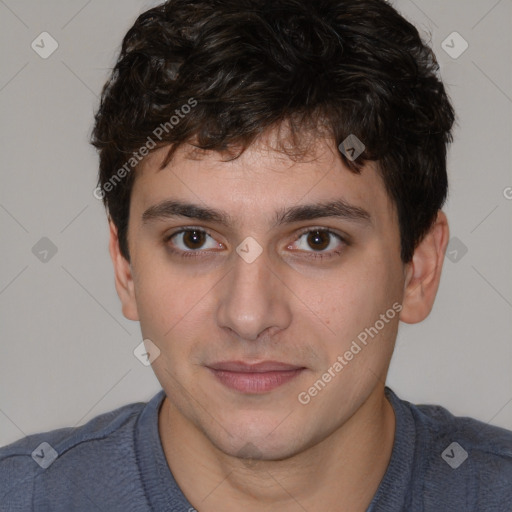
<point x="194" y="239"/>
<point x="319" y="243"/>
<point x="318" y="240"/>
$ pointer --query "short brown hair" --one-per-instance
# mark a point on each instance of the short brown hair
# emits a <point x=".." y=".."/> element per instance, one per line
<point x="345" y="66"/>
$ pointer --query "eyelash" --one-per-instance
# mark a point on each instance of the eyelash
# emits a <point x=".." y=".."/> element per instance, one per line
<point x="323" y="255"/>
<point x="312" y="255"/>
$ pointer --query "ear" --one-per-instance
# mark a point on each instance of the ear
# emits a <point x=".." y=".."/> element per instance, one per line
<point x="423" y="273"/>
<point x="123" y="276"/>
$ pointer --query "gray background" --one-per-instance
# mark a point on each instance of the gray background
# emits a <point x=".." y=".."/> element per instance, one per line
<point x="67" y="351"/>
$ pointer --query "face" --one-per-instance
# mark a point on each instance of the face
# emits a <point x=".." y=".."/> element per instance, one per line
<point x="258" y="280"/>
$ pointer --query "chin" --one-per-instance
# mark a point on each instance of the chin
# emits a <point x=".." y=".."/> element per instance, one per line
<point x="253" y="438"/>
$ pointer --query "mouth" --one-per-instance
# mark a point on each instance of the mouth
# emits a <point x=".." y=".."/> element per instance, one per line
<point x="254" y="378"/>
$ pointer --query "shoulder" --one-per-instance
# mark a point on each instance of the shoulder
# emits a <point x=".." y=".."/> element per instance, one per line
<point x="60" y="458"/>
<point x="468" y="460"/>
<point x="486" y="441"/>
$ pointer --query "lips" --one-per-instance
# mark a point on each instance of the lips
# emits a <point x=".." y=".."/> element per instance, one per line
<point x="253" y="378"/>
<point x="265" y="366"/>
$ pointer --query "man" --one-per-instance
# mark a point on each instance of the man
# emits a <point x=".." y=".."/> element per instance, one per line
<point x="274" y="173"/>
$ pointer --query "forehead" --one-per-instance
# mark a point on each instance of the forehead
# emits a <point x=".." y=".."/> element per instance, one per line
<point x="260" y="180"/>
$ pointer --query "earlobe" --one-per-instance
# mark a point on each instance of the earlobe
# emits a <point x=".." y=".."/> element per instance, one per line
<point x="423" y="273"/>
<point x="123" y="276"/>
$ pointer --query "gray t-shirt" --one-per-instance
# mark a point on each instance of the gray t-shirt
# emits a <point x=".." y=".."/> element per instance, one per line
<point x="116" y="463"/>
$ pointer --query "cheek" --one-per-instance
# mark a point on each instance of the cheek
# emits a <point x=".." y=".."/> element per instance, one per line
<point x="165" y="298"/>
<point x="173" y="320"/>
<point x="175" y="312"/>
<point x="162" y="302"/>
<point x="353" y="299"/>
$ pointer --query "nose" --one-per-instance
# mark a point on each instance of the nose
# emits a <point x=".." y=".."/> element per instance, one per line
<point x="253" y="299"/>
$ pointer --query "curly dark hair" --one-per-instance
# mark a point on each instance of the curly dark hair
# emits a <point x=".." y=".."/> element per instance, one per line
<point x="339" y="67"/>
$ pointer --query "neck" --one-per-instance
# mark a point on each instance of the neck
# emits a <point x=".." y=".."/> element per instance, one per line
<point x="342" y="471"/>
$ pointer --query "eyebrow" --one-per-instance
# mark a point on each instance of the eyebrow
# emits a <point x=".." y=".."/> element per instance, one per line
<point x="339" y="209"/>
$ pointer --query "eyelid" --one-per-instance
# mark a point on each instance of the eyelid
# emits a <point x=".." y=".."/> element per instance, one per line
<point x="184" y="229"/>
<point x="168" y="237"/>
<point x="333" y="231"/>
<point x="342" y="237"/>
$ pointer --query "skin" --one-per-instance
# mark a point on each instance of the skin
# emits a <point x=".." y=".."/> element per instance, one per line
<point x="230" y="450"/>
